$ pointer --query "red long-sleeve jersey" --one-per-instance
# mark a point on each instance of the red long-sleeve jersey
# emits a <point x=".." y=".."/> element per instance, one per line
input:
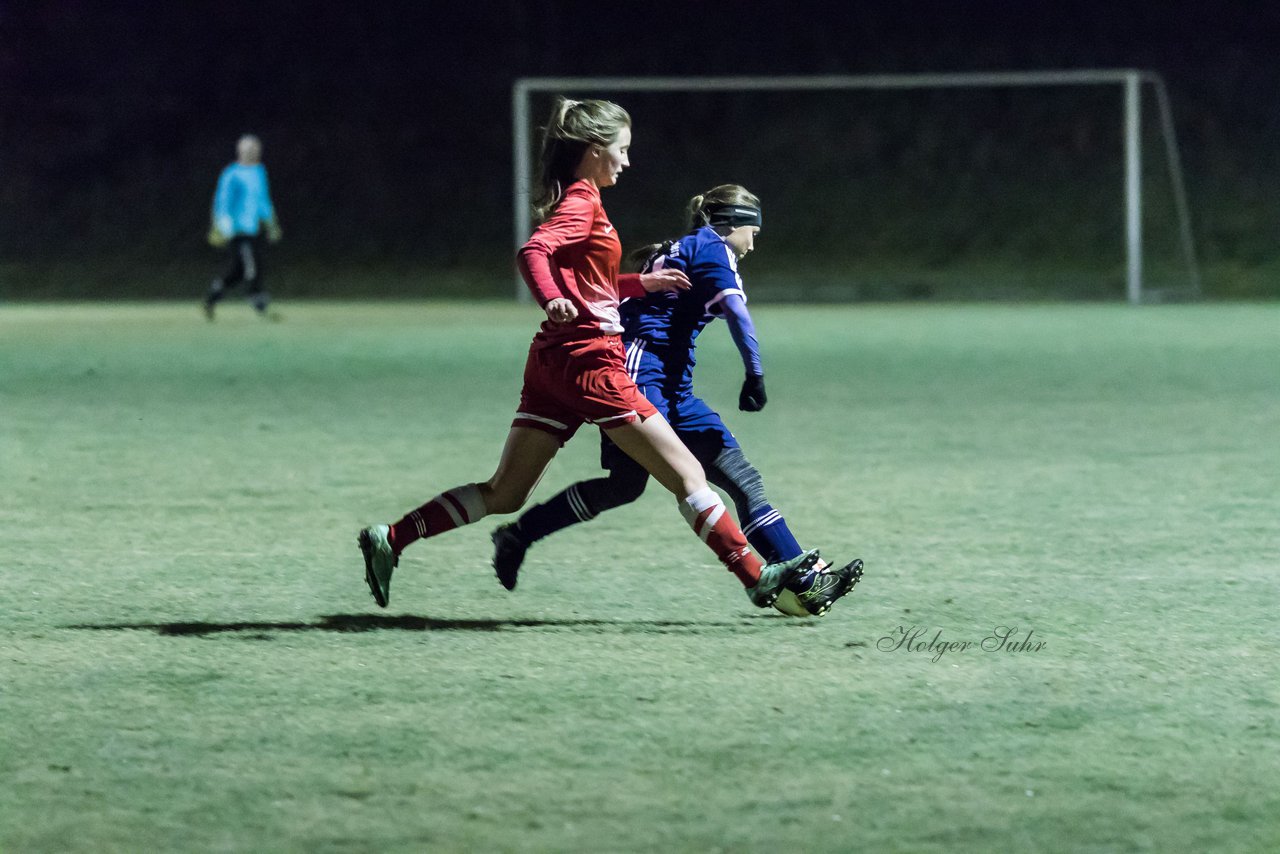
<point x="575" y="255"/>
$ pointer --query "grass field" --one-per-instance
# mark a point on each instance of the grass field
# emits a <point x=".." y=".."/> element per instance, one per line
<point x="190" y="661"/>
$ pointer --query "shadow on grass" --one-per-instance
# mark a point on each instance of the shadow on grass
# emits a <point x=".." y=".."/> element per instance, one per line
<point x="410" y="623"/>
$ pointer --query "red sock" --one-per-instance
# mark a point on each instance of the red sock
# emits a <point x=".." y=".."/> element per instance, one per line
<point x="448" y="510"/>
<point x="711" y="521"/>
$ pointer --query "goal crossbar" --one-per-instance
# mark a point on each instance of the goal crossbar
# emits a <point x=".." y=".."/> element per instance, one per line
<point x="1131" y="82"/>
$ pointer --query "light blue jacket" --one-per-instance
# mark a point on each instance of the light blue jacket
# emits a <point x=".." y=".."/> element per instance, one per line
<point x="242" y="202"/>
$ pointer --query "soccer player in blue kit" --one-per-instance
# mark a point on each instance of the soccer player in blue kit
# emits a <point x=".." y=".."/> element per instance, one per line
<point x="661" y="332"/>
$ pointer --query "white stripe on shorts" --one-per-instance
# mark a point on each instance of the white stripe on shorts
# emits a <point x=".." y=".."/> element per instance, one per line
<point x="603" y="421"/>
<point x="525" y="416"/>
<point x="635" y="349"/>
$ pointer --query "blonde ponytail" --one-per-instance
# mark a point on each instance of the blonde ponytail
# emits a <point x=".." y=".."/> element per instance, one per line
<point x="572" y="128"/>
<point x="694" y="213"/>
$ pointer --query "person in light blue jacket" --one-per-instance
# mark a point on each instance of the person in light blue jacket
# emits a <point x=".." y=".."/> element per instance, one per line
<point x="242" y="216"/>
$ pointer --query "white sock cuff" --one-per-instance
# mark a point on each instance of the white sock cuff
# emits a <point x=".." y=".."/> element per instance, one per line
<point x="696" y="503"/>
<point x="471" y="500"/>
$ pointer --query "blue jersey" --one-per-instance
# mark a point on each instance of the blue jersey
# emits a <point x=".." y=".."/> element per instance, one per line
<point x="242" y="201"/>
<point x="669" y="323"/>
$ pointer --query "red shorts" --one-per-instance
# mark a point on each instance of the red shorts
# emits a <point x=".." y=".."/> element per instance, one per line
<point x="571" y="382"/>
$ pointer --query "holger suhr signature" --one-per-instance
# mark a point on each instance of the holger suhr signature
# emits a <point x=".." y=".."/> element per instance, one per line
<point x="918" y="639"/>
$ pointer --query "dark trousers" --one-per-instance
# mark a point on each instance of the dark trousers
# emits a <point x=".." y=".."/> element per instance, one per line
<point x="244" y="266"/>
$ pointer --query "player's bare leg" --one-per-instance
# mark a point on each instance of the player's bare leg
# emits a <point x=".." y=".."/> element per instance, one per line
<point x="524" y="460"/>
<point x="510" y="487"/>
<point x="654" y="445"/>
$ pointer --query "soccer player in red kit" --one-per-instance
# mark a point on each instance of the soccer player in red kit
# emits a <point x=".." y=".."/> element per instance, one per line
<point x="575" y="372"/>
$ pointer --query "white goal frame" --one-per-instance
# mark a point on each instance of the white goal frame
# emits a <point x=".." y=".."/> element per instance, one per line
<point x="1129" y="81"/>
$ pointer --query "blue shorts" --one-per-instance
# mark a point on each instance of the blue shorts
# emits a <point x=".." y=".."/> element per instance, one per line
<point x="698" y="425"/>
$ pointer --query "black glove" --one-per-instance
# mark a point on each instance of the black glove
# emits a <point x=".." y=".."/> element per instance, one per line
<point x="752" y="397"/>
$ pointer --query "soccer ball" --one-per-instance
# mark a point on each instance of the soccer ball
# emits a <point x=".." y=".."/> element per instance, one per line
<point x="788" y="604"/>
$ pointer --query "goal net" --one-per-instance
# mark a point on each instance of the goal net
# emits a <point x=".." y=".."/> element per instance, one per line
<point x="1018" y="185"/>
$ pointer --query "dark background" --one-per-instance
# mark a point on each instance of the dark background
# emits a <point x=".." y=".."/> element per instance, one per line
<point x="387" y="131"/>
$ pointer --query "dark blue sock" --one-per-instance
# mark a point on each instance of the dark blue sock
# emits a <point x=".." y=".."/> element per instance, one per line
<point x="562" y="510"/>
<point x="769" y="535"/>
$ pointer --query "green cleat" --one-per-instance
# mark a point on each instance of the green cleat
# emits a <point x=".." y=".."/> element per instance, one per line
<point x="379" y="561"/>
<point x="775" y="576"/>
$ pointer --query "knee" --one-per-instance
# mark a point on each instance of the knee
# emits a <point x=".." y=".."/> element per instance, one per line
<point x="500" y="498"/>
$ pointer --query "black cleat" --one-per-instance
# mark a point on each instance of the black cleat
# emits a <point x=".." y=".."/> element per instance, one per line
<point x="828" y="586"/>
<point x="508" y="554"/>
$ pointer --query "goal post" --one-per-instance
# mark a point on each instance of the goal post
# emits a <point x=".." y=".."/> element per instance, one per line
<point x="1131" y="84"/>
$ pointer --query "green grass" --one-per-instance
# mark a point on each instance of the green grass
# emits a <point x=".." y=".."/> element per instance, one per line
<point x="189" y="660"/>
<point x="797" y="276"/>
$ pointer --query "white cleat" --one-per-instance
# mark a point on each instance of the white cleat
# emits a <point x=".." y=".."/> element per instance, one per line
<point x="380" y="561"/>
